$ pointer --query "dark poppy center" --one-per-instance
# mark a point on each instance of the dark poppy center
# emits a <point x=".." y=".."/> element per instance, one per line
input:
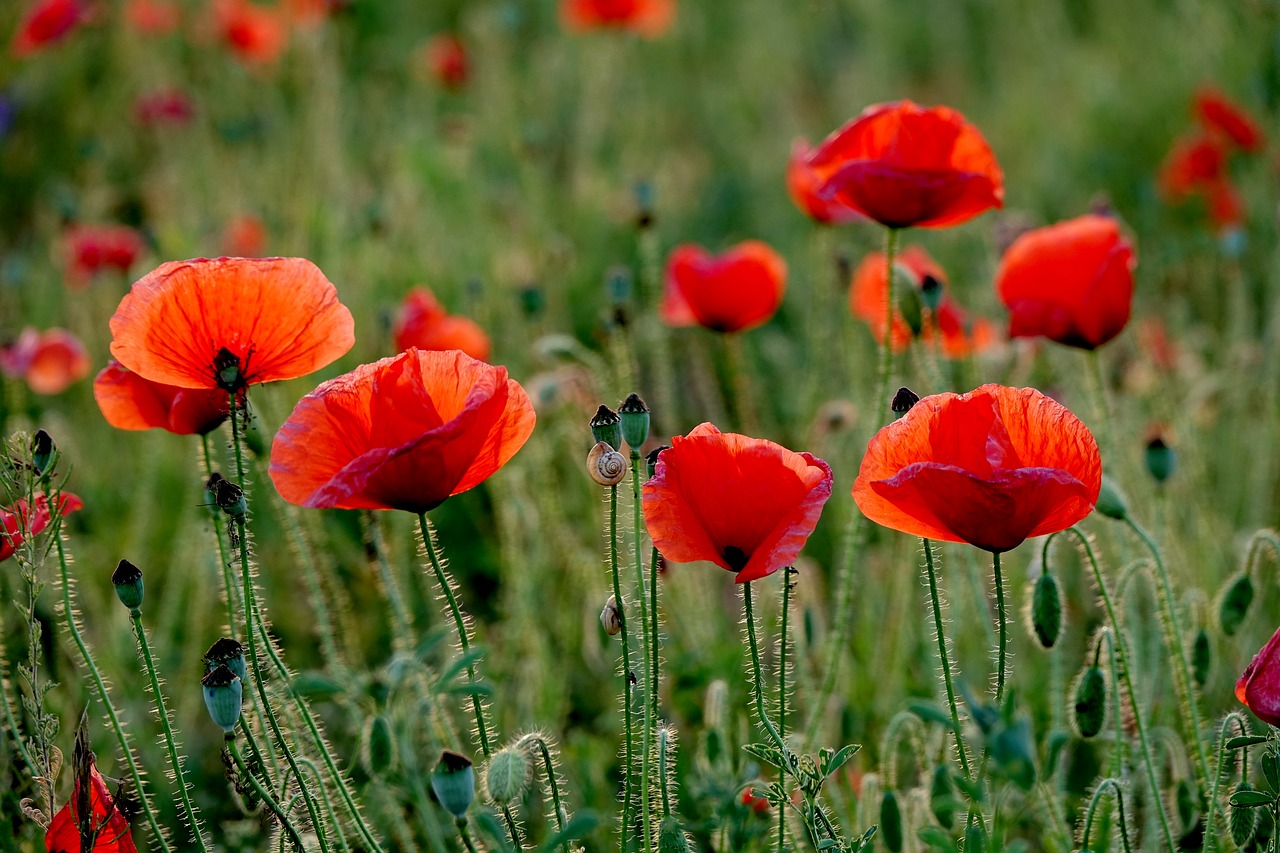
<point x="227" y="370"/>
<point x="736" y="557"/>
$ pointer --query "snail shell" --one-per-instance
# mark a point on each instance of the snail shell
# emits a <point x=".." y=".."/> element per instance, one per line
<point x="605" y="465"/>
<point x="611" y="617"/>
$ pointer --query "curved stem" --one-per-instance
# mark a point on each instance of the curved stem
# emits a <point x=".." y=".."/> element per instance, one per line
<point x="1210" y="838"/>
<point x="1103" y="787"/>
<point x="262" y="792"/>
<point x="757" y="672"/>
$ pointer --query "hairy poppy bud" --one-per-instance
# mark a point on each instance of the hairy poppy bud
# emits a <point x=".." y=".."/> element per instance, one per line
<point x="1201" y="657"/>
<point x="671" y="837"/>
<point x="904" y="400"/>
<point x="891" y="822"/>
<point x="506" y="776"/>
<point x="377" y="746"/>
<point x="1111" y="501"/>
<point x="906" y="298"/>
<point x="1046" y="610"/>
<point x="1160" y="458"/>
<point x="931" y="291"/>
<point x="606" y="426"/>
<point x="942" y="797"/>
<point x="634" y="415"/>
<point x="223" y="694"/>
<point x="1091" y="702"/>
<point x="127" y="579"/>
<point x="1234" y="603"/>
<point x="229" y="652"/>
<point x="43" y="453"/>
<point x="642" y="192"/>
<point x="611" y="617"/>
<point x="606" y="466"/>
<point x="454" y="783"/>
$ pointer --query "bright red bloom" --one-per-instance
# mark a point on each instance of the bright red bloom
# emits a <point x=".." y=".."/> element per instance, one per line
<point x="903" y="165"/>
<point x="405" y="432"/>
<point x="22" y="520"/>
<point x="447" y="61"/>
<point x="803" y="181"/>
<point x="230" y="322"/>
<point x="746" y="504"/>
<point x="739" y="289"/>
<point x="163" y="107"/>
<point x="256" y="34"/>
<point x="1194" y="162"/>
<point x="49" y="362"/>
<point x="154" y="17"/>
<point x="130" y="402"/>
<point x="1071" y="282"/>
<point x="90" y="249"/>
<point x="104" y="818"/>
<point x="47" y="22"/>
<point x="423" y="323"/>
<point x="1217" y="113"/>
<point x="646" y="17"/>
<point x="1259" y="684"/>
<point x="244" y="237"/>
<point x="991" y="468"/>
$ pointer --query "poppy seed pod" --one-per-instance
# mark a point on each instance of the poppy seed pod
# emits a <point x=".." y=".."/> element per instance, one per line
<point x="43" y="453"/>
<point x="229" y="652"/>
<point x="606" y="466"/>
<point x="606" y="426"/>
<point x="223" y="695"/>
<point x="127" y="579"/>
<point x="454" y="783"/>
<point x="634" y="415"/>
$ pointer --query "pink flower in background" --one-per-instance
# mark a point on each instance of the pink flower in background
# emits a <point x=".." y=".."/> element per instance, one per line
<point x="163" y="107"/>
<point x="49" y="362"/>
<point x="47" y="22"/>
<point x="21" y="520"/>
<point x="90" y="249"/>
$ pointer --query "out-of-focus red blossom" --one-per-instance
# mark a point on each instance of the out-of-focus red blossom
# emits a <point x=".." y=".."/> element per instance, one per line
<point x="1226" y="209"/>
<point x="90" y="249"/>
<point x="1259" y="684"/>
<point x="739" y="289"/>
<point x="49" y="362"/>
<point x="909" y="166"/>
<point x="803" y="181"/>
<point x="649" y="18"/>
<point x="746" y="504"/>
<point x="308" y="13"/>
<point x="23" y="520"/>
<point x="758" y="805"/>
<point x="1218" y="114"/>
<point x="256" y="34"/>
<point x="1071" y="282"/>
<point x="1194" y="161"/>
<point x="244" y="237"/>
<point x="1154" y="341"/>
<point x="406" y="433"/>
<point x="153" y="17"/>
<point x="991" y="468"/>
<point x="163" y="107"/>
<point x="422" y="322"/>
<point x="446" y="60"/>
<point x="130" y="402"/>
<point x="47" y="22"/>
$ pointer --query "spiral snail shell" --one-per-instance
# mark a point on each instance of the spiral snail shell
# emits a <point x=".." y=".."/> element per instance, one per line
<point x="606" y="465"/>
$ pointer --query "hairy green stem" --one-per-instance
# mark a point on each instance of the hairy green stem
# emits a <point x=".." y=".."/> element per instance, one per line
<point x="1002" y="624"/>
<point x="403" y="637"/>
<point x="1236" y="718"/>
<point x="648" y="649"/>
<point x="782" y="693"/>
<point x="1112" y="786"/>
<point x="944" y="658"/>
<point x="261" y="790"/>
<point x="628" y="737"/>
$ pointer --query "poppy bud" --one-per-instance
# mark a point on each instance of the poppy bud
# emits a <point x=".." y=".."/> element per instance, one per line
<point x="454" y="783"/>
<point x="942" y="797"/>
<point x="1111" y="501"/>
<point x="618" y="286"/>
<point x="377" y="746"/>
<point x="1243" y="820"/>
<point x="906" y="298"/>
<point x="531" y="300"/>
<point x="642" y="192"/>
<point x="43" y="453"/>
<point x="903" y="401"/>
<point x="634" y="415"/>
<point x="1233" y="605"/>
<point x="127" y="579"/>
<point x="506" y="776"/>
<point x="652" y="458"/>
<point x="931" y="292"/>
<point x="611" y="617"/>
<point x="227" y="495"/>
<point x="1270" y="769"/>
<point x="223" y="694"/>
<point x="891" y="822"/>
<point x="1161" y="459"/>
<point x="975" y="839"/>
<point x="1046" y="610"/>
<point x="606" y="466"/>
<point x="606" y="426"/>
<point x="671" y="837"/>
<point x="226" y="651"/>
<point x="1091" y="702"/>
<point x="1201" y="657"/>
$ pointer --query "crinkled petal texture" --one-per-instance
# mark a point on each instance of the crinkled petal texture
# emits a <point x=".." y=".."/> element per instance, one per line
<point x="1259" y="685"/>
<point x="130" y="402"/>
<point x="731" y="292"/>
<point x="746" y="504"/>
<point x="403" y="433"/>
<point x="909" y="166"/>
<point x="991" y="468"/>
<point x="1071" y="282"/>
<point x="63" y="834"/>
<point x="279" y="317"/>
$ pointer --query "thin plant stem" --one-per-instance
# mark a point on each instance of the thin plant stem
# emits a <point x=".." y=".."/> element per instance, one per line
<point x="628" y="758"/>
<point x="782" y="693"/>
<point x="655" y="656"/>
<point x="261" y="790"/>
<point x="324" y="798"/>
<point x="1002" y="625"/>
<point x="549" y="768"/>
<point x="465" y="835"/>
<point x="648" y="649"/>
<point x="662" y="774"/>
<point x="744" y="404"/>
<point x="1101" y="410"/>
<point x="885" y="370"/>
<point x="404" y="636"/>
<point x="757" y="672"/>
<point x="945" y="658"/>
<point x="1236" y="718"/>
<point x="224" y="560"/>
<point x="1112" y="786"/>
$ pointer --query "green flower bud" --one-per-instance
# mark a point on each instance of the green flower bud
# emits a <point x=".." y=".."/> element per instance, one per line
<point x="931" y="292"/>
<point x="606" y="426"/>
<point x="891" y="822"/>
<point x="1201" y="657"/>
<point x="1111" y="501"/>
<point x="506" y="776"/>
<point x="1046" y="610"/>
<point x="223" y="694"/>
<point x="454" y="783"/>
<point x="43" y="453"/>
<point x="377" y="746"/>
<point x="942" y="797"/>
<point x="634" y="415"/>
<point x="1243" y="820"/>
<point x="906" y="298"/>
<point x="1233" y="606"/>
<point x="671" y="837"/>
<point x="1091" y="702"/>
<point x="127" y="579"/>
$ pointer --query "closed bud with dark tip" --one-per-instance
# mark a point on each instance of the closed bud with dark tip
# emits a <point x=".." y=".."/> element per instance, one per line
<point x="227" y="495"/>
<point x="1046" y="610"/>
<point x="43" y="453"/>
<point x="127" y="579"/>
<point x="907" y="299"/>
<point x="1091" y="702"/>
<point x="634" y="415"/>
<point x="1234" y="602"/>
<point x="226" y="651"/>
<point x="931" y="292"/>
<point x="223" y="695"/>
<point x="506" y="776"/>
<point x="377" y="746"/>
<point x="606" y="426"/>
<point x="1160" y="458"/>
<point x="454" y="783"/>
<point x="903" y="401"/>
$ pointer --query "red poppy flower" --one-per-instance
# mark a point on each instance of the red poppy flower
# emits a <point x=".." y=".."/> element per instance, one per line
<point x="1071" y="282"/>
<point x="446" y="60"/>
<point x="404" y="433"/>
<point x="737" y="290"/>
<point x="90" y="249"/>
<point x="423" y="323"/>
<point x="1194" y="162"/>
<point x="130" y="402"/>
<point x="163" y="107"/>
<point x="646" y="17"/>
<point x="746" y="504"/>
<point x="991" y="468"/>
<point x="47" y="22"/>
<point x="1226" y="209"/>
<point x="803" y="181"/>
<point x="230" y="322"/>
<point x="256" y="34"/>
<point x="903" y="165"/>
<point x="1219" y="114"/>
<point x="1259" y="684"/>
<point x="244" y="237"/>
<point x="104" y="819"/>
<point x="154" y="17"/>
<point x="49" y="362"/>
<point x="23" y="520"/>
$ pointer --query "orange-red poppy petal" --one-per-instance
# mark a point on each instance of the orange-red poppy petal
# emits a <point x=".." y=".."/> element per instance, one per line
<point x="63" y="834"/>
<point x="731" y="292"/>
<point x="131" y="402"/>
<point x="422" y="322"/>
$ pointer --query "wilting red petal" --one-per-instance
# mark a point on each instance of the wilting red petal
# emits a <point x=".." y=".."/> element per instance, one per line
<point x="737" y="290"/>
<point x="1218" y="113"/>
<point x="404" y="433"/>
<point x="423" y="323"/>
<point x="47" y="22"/>
<point x="279" y="318"/>
<point x="903" y="165"/>
<point x="646" y="17"/>
<point x="1071" y="282"/>
<point x="130" y="402"/>
<point x="1259" y="685"/>
<point x="803" y="182"/>
<point x="63" y="835"/>
<point x="746" y="504"/>
<point x="991" y="468"/>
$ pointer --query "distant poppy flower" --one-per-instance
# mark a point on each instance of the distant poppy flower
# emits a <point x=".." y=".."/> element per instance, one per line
<point x="446" y="59"/>
<point x="803" y="182"/>
<point x="153" y="17"/>
<point x="256" y="34"/>
<point x="23" y="520"/>
<point x="49" y="362"/>
<point x="308" y="13"/>
<point x="1259" y="684"/>
<point x="91" y="249"/>
<point x="1071" y="282"/>
<point x="404" y="433"/>
<point x="47" y="22"/>
<point x="991" y="468"/>
<point x="739" y="289"/>
<point x="746" y="504"/>
<point x="1194" y="162"/>
<point x="646" y="17"/>
<point x="909" y="166"/>
<point x="1155" y="343"/>
<point x="1226" y="208"/>
<point x="230" y="322"/>
<point x="1217" y="113"/>
<point x="163" y="107"/>
<point x="244" y="237"/>
<point x="111" y="827"/>
<point x="422" y="322"/>
<point x="130" y="402"/>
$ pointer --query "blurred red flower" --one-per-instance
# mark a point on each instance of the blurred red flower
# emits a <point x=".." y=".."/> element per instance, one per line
<point x="90" y="249"/>
<point x="244" y="237"/>
<point x="803" y="182"/>
<point x="49" y="362"/>
<point x="23" y="520"/>
<point x="746" y="504"/>
<point x="230" y="322"/>
<point x="646" y="17"/>
<point x="422" y="322"/>
<point x="1259" y="685"/>
<point x="1218" y="114"/>
<point x="739" y="289"/>
<point x="1071" y="282"/>
<point x="446" y="60"/>
<point x="130" y="402"/>
<point x="154" y="17"/>
<point x="256" y="34"/>
<point x="1194" y="161"/>
<point x="163" y="107"/>
<point x="405" y="433"/>
<point x="991" y="468"/>
<point x="308" y="13"/>
<point x="904" y="165"/>
<point x="47" y="22"/>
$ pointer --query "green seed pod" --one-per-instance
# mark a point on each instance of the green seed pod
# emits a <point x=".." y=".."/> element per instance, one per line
<point x="1160" y="458"/>
<point x="127" y="579"/>
<point x="223" y="695"/>
<point x="903" y="401"/>
<point x="377" y="746"/>
<point x="226" y="651"/>
<point x="1201" y="657"/>
<point x="942" y="797"/>
<point x="606" y="426"/>
<point x="671" y="837"/>
<point x="1111" y="501"/>
<point x="44" y="453"/>
<point x="1243" y="820"/>
<point x="1046" y="610"/>
<point x="891" y="822"/>
<point x="1233" y="605"/>
<point x="507" y="775"/>
<point x="454" y="783"/>
<point x="634" y="415"/>
<point x="1091" y="702"/>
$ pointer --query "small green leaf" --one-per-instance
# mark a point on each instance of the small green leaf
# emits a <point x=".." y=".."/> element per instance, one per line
<point x="768" y="754"/>
<point x="1245" y="740"/>
<point x="930" y="713"/>
<point x="1251" y="799"/>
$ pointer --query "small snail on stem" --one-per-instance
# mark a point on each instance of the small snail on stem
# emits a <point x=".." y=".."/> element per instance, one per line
<point x="606" y="466"/>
